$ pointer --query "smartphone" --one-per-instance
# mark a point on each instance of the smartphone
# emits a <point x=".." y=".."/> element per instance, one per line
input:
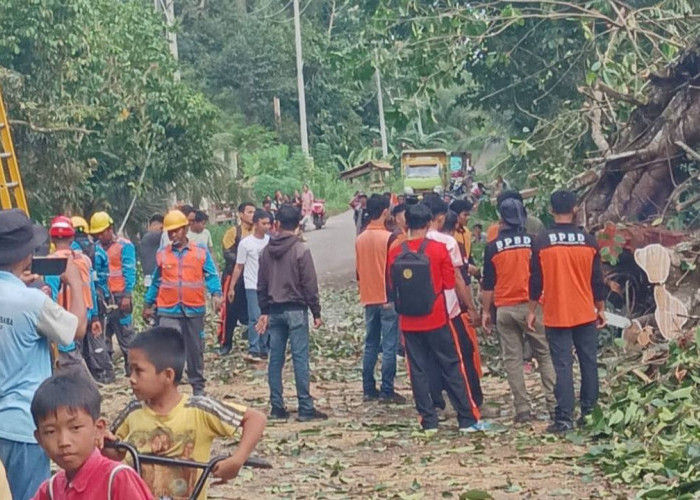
<point x="49" y="266"/>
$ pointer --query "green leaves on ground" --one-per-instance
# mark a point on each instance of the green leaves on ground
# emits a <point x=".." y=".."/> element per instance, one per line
<point x="649" y="432"/>
<point x="475" y="495"/>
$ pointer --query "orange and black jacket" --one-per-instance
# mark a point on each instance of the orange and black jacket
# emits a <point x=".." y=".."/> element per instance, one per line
<point x="565" y="267"/>
<point x="507" y="267"/>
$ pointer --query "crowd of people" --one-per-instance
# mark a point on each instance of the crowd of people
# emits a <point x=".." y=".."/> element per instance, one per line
<point x="301" y="200"/>
<point x="540" y="288"/>
<point x="56" y="334"/>
<point x="415" y="273"/>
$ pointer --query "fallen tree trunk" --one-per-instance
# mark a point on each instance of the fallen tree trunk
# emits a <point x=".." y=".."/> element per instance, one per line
<point x="640" y="173"/>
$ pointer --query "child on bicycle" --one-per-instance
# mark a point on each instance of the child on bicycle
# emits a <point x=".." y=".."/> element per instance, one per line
<point x="162" y="421"/>
<point x="66" y="412"/>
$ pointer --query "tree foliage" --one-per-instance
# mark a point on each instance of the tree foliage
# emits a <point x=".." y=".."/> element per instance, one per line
<point x="242" y="55"/>
<point x="567" y="74"/>
<point x="90" y="91"/>
<point x="560" y="79"/>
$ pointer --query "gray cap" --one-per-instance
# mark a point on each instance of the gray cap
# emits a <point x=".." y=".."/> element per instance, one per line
<point x="513" y="212"/>
<point x="18" y="236"/>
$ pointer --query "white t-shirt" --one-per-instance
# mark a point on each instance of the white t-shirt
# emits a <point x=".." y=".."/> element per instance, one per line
<point x="203" y="238"/>
<point x="451" y="299"/>
<point x="249" y="250"/>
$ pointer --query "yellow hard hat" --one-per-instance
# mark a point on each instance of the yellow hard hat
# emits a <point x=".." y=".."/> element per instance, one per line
<point x="80" y="223"/>
<point x="174" y="220"/>
<point x="99" y="222"/>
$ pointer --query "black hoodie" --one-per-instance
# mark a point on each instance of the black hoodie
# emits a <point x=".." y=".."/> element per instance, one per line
<point x="287" y="276"/>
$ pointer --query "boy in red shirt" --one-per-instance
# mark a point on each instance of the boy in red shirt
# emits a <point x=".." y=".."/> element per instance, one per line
<point x="66" y="412"/>
<point x="429" y="343"/>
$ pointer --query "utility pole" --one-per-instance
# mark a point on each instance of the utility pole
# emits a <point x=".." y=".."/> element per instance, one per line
<point x="277" y="110"/>
<point x="300" y="81"/>
<point x="380" y="105"/>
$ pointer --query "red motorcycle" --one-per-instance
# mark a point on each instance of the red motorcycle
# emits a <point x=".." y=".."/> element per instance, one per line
<point x="318" y="212"/>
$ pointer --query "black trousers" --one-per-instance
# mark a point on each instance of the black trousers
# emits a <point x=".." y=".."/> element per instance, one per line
<point x="428" y="352"/>
<point x="562" y="341"/>
<point x="192" y="331"/>
<point x="236" y="311"/>
<point x="121" y="325"/>
<point x="466" y="352"/>
<point x="97" y="357"/>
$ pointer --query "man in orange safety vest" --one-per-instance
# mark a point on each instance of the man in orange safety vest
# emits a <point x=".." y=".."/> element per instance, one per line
<point x="117" y="276"/>
<point x="185" y="271"/>
<point x="62" y="234"/>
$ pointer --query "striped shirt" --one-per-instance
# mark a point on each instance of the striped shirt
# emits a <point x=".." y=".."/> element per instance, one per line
<point x="186" y="433"/>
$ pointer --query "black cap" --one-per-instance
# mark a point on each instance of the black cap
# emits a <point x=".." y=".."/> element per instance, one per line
<point x="513" y="212"/>
<point x="18" y="236"/>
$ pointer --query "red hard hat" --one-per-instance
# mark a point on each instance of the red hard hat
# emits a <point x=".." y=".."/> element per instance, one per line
<point x="61" y="227"/>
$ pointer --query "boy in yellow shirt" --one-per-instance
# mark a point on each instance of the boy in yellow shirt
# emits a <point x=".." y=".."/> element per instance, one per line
<point x="162" y="421"/>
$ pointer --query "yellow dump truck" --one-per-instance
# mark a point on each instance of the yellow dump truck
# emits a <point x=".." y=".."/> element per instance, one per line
<point x="425" y="171"/>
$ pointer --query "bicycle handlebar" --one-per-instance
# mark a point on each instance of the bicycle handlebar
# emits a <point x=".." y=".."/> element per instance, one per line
<point x="207" y="468"/>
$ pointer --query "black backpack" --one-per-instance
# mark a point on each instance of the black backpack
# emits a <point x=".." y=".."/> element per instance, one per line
<point x="413" y="282"/>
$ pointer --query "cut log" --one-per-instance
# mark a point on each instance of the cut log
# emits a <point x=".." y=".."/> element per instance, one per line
<point x="644" y="338"/>
<point x="630" y="336"/>
<point x="655" y="261"/>
<point x="671" y="314"/>
<point x="636" y="336"/>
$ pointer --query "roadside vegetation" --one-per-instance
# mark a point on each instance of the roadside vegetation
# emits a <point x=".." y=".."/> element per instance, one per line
<point x="598" y="95"/>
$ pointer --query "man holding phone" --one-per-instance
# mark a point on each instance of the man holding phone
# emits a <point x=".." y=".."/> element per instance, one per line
<point x="118" y="275"/>
<point x="29" y="320"/>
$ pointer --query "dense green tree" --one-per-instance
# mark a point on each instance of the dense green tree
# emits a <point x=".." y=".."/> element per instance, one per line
<point x="586" y="84"/>
<point x="92" y="100"/>
<point x="242" y="56"/>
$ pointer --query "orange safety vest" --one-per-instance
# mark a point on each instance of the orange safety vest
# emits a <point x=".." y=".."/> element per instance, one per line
<point x="116" y="281"/>
<point x="82" y="261"/>
<point x="182" y="276"/>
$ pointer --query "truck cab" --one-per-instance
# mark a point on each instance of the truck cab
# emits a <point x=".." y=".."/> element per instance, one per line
<point x="425" y="171"/>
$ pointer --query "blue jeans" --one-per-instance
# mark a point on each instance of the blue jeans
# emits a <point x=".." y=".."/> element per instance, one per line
<point x="382" y="329"/>
<point x="27" y="467"/>
<point x="289" y="323"/>
<point x="257" y="344"/>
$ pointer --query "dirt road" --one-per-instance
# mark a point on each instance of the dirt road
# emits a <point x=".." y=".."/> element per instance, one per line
<point x="373" y="451"/>
<point x="333" y="249"/>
